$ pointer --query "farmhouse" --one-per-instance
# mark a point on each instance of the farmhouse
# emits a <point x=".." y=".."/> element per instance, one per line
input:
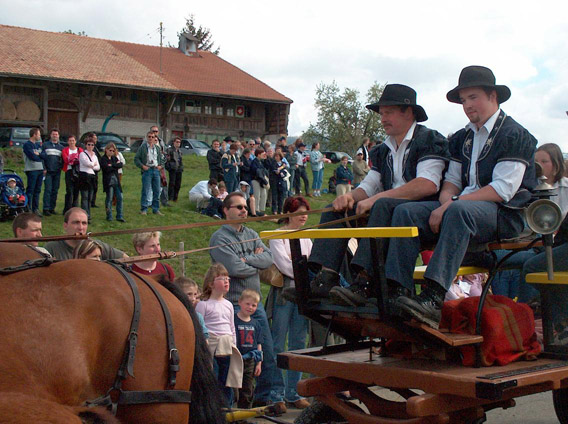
<point x="77" y="83"/>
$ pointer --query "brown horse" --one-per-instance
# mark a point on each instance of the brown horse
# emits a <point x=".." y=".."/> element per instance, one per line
<point x="63" y="334"/>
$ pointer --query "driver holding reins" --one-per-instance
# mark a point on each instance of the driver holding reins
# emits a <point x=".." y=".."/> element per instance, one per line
<point x="407" y="167"/>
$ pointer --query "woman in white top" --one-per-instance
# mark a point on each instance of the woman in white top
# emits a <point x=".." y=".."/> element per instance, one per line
<point x="549" y="157"/>
<point x="286" y="319"/>
<point x="88" y="164"/>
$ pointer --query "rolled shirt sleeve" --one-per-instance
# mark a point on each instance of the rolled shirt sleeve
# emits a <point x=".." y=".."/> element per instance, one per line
<point x="431" y="169"/>
<point x="507" y="178"/>
<point x="372" y="184"/>
<point x="453" y="175"/>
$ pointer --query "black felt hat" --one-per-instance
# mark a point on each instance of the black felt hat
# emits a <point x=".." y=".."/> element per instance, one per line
<point x="228" y="139"/>
<point x="478" y="76"/>
<point x="399" y="95"/>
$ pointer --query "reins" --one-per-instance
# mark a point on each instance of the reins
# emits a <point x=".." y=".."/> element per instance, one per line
<point x="171" y="254"/>
<point x="164" y="228"/>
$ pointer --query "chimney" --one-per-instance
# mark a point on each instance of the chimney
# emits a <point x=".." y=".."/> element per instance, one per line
<point x="188" y="44"/>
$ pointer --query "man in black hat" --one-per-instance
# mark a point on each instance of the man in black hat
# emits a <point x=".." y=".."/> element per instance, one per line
<point x="407" y="167"/>
<point x="489" y="177"/>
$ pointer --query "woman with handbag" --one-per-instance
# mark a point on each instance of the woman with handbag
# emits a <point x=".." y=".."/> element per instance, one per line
<point x="70" y="156"/>
<point x="110" y="164"/>
<point x="286" y="319"/>
<point x="88" y="164"/>
<point x="260" y="183"/>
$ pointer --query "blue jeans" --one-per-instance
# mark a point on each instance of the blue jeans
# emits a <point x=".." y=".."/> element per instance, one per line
<point x="222" y="371"/>
<point x="508" y="282"/>
<point x="464" y="222"/>
<point x="286" y="320"/>
<point x="33" y="190"/>
<point x="266" y="379"/>
<point x="113" y="190"/>
<point x="50" y="190"/>
<point x="150" y="190"/>
<point x="231" y="182"/>
<point x="278" y="193"/>
<point x="558" y="293"/>
<point x="318" y="179"/>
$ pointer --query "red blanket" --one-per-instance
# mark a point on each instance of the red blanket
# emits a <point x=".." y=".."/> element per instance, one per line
<point x="507" y="328"/>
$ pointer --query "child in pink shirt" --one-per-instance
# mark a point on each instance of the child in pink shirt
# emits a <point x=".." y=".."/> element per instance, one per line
<point x="218" y="314"/>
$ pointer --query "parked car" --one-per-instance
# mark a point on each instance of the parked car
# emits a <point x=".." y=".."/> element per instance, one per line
<point x="335" y="157"/>
<point x="14" y="136"/>
<point x="191" y="146"/>
<point x="103" y="138"/>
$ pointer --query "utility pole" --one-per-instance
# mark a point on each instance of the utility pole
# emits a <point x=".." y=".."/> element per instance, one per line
<point x="161" y="39"/>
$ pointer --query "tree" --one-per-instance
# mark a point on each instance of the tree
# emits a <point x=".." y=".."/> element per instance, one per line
<point x="83" y="33"/>
<point x="202" y="34"/>
<point x="343" y="120"/>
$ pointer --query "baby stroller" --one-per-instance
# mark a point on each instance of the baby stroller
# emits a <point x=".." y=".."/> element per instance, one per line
<point x="8" y="209"/>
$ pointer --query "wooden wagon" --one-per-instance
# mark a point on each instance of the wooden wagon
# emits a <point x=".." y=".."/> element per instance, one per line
<point x="428" y="386"/>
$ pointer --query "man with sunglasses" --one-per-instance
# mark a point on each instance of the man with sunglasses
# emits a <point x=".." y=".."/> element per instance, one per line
<point x="240" y="251"/>
<point x="150" y="160"/>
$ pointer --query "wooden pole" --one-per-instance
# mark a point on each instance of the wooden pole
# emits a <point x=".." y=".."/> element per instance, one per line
<point x="182" y="258"/>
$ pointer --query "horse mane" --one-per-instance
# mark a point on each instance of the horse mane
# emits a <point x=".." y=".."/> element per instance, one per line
<point x="206" y="397"/>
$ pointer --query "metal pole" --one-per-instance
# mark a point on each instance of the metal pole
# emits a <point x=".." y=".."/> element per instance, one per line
<point x="182" y="258"/>
<point x="161" y="39"/>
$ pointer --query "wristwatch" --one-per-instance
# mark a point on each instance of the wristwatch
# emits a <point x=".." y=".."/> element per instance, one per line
<point x="454" y="198"/>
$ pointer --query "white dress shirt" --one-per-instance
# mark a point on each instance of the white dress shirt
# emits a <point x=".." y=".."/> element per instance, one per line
<point x="430" y="169"/>
<point x="507" y="175"/>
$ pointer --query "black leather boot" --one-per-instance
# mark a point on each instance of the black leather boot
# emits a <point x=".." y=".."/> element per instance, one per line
<point x="427" y="306"/>
<point x="323" y="282"/>
<point x="357" y="294"/>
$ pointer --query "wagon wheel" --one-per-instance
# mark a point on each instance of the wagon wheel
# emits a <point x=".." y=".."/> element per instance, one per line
<point x="319" y="413"/>
<point x="560" y="400"/>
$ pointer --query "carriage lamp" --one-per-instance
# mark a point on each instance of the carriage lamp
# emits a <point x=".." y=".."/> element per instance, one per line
<point x="544" y="217"/>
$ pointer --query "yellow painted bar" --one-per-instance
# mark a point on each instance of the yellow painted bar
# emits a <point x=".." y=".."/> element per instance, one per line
<point x="464" y="270"/>
<point x="542" y="278"/>
<point x="321" y="233"/>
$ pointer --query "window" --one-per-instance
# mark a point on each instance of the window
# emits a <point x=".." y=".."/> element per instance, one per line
<point x="192" y="106"/>
<point x="230" y="112"/>
<point x="207" y="110"/>
<point x="219" y="110"/>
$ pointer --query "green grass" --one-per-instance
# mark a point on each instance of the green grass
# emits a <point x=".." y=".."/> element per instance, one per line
<point x="179" y="213"/>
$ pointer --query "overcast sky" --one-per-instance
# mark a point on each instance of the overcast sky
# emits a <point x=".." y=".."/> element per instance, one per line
<point x="295" y="45"/>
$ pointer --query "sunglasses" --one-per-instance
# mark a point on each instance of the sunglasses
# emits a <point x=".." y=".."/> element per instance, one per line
<point x="90" y="144"/>
<point x="239" y="207"/>
<point x="111" y="150"/>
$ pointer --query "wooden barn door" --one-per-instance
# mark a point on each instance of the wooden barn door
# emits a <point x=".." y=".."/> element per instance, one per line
<point x="64" y="115"/>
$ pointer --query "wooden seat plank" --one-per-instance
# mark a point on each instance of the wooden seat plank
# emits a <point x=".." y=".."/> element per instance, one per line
<point x="464" y="270"/>
<point x="377" y="232"/>
<point x="451" y="339"/>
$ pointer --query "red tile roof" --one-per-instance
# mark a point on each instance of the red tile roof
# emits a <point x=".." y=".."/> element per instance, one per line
<point x="48" y="55"/>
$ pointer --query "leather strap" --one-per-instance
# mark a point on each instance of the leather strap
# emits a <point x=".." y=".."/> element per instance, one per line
<point x="156" y="396"/>
<point x="165" y="228"/>
<point x="173" y="353"/>
<point x="127" y="364"/>
<point x="29" y="264"/>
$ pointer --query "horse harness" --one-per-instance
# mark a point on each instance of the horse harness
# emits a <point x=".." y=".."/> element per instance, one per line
<point x="115" y="396"/>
